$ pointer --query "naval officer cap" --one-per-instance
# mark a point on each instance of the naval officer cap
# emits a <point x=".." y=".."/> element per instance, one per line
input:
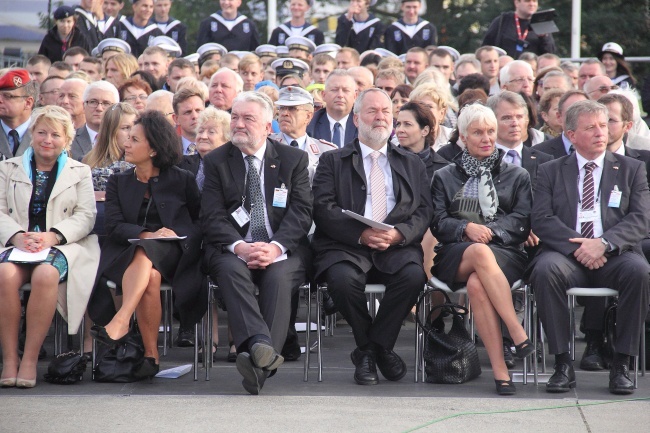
<point x="194" y="58"/>
<point x="291" y="96"/>
<point x="330" y="49"/>
<point x="113" y="44"/>
<point x="168" y="44"/>
<point x="210" y="48"/>
<point x="282" y="51"/>
<point x="300" y="43"/>
<point x="288" y="66"/>
<point x="266" y="50"/>
<point x="383" y="52"/>
<point x="453" y="52"/>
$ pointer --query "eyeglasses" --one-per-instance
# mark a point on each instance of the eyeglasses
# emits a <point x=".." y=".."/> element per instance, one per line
<point x="9" y="97"/>
<point x="604" y="89"/>
<point x="522" y="80"/>
<point x="142" y="98"/>
<point x="94" y="103"/>
<point x="290" y="109"/>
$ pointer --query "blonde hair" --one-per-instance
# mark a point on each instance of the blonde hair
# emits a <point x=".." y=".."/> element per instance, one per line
<point x="432" y="75"/>
<point x="55" y="117"/>
<point x="220" y="117"/>
<point x="429" y="90"/>
<point x="125" y="63"/>
<point x="249" y="60"/>
<point x="107" y="150"/>
<point x="198" y="87"/>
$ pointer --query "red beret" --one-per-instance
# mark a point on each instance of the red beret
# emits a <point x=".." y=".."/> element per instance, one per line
<point x="14" y="79"/>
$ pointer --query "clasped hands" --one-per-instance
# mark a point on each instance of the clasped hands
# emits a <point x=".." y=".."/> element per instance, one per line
<point x="33" y="242"/>
<point x="591" y="252"/>
<point x="161" y="233"/>
<point x="478" y="233"/>
<point x="380" y="239"/>
<point x="257" y="255"/>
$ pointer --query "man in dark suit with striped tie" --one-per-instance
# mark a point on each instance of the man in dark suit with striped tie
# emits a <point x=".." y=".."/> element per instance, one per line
<point x="591" y="211"/>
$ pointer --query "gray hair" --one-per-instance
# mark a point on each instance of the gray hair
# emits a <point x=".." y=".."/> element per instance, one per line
<point x="101" y="85"/>
<point x="594" y="61"/>
<point x="158" y="94"/>
<point x="467" y="58"/>
<point x="504" y="74"/>
<point x="359" y="102"/>
<point x="339" y="73"/>
<point x="566" y="78"/>
<point x="475" y="113"/>
<point x="580" y="108"/>
<point x="389" y="73"/>
<point x="239" y="82"/>
<point x="568" y="66"/>
<point x="260" y="99"/>
<point x="220" y="117"/>
<point x="509" y="97"/>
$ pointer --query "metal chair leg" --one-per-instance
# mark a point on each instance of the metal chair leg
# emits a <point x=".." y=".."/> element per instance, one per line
<point x="319" y="310"/>
<point x="307" y="336"/>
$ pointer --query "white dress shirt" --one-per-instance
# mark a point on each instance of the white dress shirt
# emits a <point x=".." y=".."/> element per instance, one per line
<point x="92" y="134"/>
<point x="388" y="178"/>
<point x="259" y="158"/>
<point x="343" y="122"/>
<point x="302" y="141"/>
<point x="597" y="174"/>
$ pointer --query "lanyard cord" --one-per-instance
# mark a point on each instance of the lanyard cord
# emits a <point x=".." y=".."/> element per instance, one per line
<point x="519" y="35"/>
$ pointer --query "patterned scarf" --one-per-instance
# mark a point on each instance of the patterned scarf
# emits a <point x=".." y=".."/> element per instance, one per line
<point x="477" y="199"/>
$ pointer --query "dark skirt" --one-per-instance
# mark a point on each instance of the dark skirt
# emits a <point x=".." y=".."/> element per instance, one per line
<point x="164" y="256"/>
<point x="448" y="258"/>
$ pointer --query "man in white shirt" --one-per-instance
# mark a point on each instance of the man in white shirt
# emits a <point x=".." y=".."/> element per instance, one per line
<point x="97" y="98"/>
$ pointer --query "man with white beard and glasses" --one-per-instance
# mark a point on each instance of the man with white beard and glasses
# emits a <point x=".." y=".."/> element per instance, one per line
<point x="374" y="179"/>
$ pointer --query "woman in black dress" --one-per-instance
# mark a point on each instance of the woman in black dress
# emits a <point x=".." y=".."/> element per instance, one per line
<point x="481" y="219"/>
<point x="153" y="203"/>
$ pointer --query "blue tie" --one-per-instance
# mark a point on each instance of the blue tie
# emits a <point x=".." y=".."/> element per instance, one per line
<point x="16" y="140"/>
<point x="336" y="135"/>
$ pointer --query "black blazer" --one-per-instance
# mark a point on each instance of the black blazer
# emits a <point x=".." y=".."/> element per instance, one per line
<point x="553" y="147"/>
<point x="190" y="163"/>
<point x="177" y="201"/>
<point x="449" y="151"/>
<point x="434" y="163"/>
<point x="319" y="128"/>
<point x="531" y="159"/>
<point x="225" y="173"/>
<point x="81" y="144"/>
<point x="556" y="202"/>
<point x="340" y="183"/>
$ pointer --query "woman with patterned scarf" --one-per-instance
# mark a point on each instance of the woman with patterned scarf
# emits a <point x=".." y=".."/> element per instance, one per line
<point x="481" y="219"/>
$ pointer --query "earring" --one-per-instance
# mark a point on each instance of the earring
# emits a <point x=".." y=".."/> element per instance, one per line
<point x="151" y="155"/>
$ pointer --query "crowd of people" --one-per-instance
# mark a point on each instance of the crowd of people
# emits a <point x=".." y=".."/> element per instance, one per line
<point x="126" y="165"/>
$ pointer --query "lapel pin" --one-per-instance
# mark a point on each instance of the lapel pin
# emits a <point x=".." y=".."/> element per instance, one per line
<point x="272" y="165"/>
<point x="615" y="167"/>
<point x="533" y="157"/>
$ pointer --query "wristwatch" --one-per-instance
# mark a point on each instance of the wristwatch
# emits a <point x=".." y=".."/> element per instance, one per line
<point x="608" y="246"/>
<point x="59" y="238"/>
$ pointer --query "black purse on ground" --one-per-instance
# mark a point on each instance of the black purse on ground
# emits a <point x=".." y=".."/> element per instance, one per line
<point x="66" y="368"/>
<point x="448" y="357"/>
<point x="120" y="362"/>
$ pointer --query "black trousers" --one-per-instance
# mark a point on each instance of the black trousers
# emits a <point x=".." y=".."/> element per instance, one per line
<point x="628" y="273"/>
<point x="346" y="284"/>
<point x="267" y="315"/>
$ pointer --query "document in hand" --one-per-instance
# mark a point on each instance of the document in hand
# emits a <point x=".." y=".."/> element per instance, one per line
<point x="20" y="256"/>
<point x="368" y="221"/>
<point x="170" y="238"/>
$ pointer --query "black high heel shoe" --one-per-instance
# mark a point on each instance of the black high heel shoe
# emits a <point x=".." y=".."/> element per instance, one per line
<point x="99" y="333"/>
<point x="524" y="349"/>
<point x="148" y="369"/>
<point x="505" y="387"/>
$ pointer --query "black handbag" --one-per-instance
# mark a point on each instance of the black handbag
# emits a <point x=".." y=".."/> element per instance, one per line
<point x="448" y="357"/>
<point x="66" y="368"/>
<point x="119" y="362"/>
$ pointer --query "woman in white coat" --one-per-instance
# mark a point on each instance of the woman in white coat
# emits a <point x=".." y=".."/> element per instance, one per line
<point x="46" y="202"/>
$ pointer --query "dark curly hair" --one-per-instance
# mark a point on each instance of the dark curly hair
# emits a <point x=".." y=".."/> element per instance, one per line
<point x="162" y="139"/>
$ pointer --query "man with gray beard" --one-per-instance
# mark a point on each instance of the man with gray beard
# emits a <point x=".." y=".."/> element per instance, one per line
<point x="256" y="213"/>
<point x="388" y="185"/>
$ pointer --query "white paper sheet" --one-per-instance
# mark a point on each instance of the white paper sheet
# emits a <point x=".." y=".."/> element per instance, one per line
<point x="21" y="256"/>
<point x="170" y="238"/>
<point x="176" y="372"/>
<point x="367" y="221"/>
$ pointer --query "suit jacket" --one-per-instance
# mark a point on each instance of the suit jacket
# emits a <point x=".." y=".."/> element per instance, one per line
<point x="224" y="187"/>
<point x="71" y="211"/>
<point x="319" y="128"/>
<point x="7" y="151"/>
<point x="177" y="201"/>
<point x="315" y="148"/>
<point x="81" y="144"/>
<point x="531" y="159"/>
<point x="340" y="183"/>
<point x="553" y="147"/>
<point x="190" y="163"/>
<point x="556" y="201"/>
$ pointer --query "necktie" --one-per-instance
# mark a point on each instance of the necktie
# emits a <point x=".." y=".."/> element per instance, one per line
<point x="587" y="228"/>
<point x="294" y="143"/>
<point x="258" y="226"/>
<point x="191" y="149"/>
<point x="336" y="135"/>
<point x="16" y="139"/>
<point x="377" y="189"/>
<point x="571" y="149"/>
<point x="514" y="157"/>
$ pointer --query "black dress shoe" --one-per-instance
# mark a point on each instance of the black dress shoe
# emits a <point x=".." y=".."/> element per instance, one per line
<point x="328" y="303"/>
<point x="592" y="359"/>
<point x="254" y="377"/>
<point x="265" y="356"/>
<point x="392" y="367"/>
<point x="563" y="379"/>
<point x="507" y="355"/>
<point x="619" y="380"/>
<point x="185" y="338"/>
<point x="291" y="349"/>
<point x="365" y="372"/>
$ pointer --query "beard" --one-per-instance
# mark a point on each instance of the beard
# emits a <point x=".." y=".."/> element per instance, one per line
<point x="375" y="133"/>
<point x="245" y="140"/>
